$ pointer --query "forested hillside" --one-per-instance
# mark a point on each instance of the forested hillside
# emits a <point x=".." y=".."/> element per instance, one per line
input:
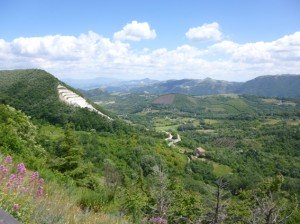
<point x="272" y="86"/>
<point x="35" y="92"/>
<point x="101" y="171"/>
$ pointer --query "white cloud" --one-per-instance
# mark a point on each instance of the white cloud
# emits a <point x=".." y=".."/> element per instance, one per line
<point x="205" y="32"/>
<point x="92" y="55"/>
<point x="135" y="31"/>
<point x="286" y="48"/>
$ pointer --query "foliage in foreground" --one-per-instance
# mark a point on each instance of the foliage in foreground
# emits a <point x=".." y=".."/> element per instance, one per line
<point x="22" y="194"/>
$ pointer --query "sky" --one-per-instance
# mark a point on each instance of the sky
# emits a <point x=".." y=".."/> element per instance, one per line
<point x="160" y="39"/>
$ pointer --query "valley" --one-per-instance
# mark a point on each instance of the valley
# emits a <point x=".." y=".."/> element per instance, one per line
<point x="117" y="162"/>
<point x="150" y="112"/>
<point x="228" y="126"/>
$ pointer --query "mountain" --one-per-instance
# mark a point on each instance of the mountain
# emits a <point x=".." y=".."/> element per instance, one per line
<point x="190" y="86"/>
<point x="272" y="86"/>
<point x="268" y="86"/>
<point x="91" y="83"/>
<point x="36" y="93"/>
<point x="108" y="84"/>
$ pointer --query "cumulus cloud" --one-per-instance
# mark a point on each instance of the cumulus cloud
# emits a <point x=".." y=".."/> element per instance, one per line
<point x="92" y="55"/>
<point x="205" y="32"/>
<point x="135" y="31"/>
<point x="286" y="48"/>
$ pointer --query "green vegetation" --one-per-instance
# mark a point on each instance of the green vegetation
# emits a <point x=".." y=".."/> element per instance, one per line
<point x="100" y="171"/>
<point x="35" y="93"/>
<point x="247" y="138"/>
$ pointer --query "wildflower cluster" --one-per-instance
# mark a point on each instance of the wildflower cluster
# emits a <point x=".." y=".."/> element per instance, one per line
<point x="18" y="185"/>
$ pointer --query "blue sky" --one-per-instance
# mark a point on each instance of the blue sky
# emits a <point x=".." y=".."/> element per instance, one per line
<point x="237" y="23"/>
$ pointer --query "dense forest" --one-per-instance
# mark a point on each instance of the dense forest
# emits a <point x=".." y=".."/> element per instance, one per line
<point x="123" y="171"/>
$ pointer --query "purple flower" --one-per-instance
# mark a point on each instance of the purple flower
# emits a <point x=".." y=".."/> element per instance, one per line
<point x="20" y="180"/>
<point x="12" y="177"/>
<point x="3" y="169"/>
<point x="40" y="191"/>
<point x="21" y="168"/>
<point x="34" y="176"/>
<point x="12" y="181"/>
<point x="41" y="181"/>
<point x="16" y="207"/>
<point x="8" y="159"/>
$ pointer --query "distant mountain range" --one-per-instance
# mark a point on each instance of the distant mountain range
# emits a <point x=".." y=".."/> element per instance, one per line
<point x="269" y="86"/>
<point x="109" y="84"/>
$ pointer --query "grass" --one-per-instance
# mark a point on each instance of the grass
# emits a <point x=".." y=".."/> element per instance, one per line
<point x="272" y="121"/>
<point x="205" y="131"/>
<point x="211" y="121"/>
<point x="163" y="124"/>
<point x="279" y="102"/>
<point x="51" y="131"/>
<point x="293" y="122"/>
<point x="221" y="170"/>
<point x="167" y="128"/>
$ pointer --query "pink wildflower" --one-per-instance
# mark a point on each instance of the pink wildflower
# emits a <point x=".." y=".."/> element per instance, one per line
<point x="8" y="159"/>
<point x="41" y="181"/>
<point x="21" y="168"/>
<point x="12" y="181"/>
<point x="16" y="207"/>
<point x="40" y="191"/>
<point x="3" y="169"/>
<point x="34" y="176"/>
<point x="19" y="180"/>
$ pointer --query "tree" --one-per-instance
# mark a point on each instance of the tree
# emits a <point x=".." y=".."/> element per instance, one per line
<point x="112" y="177"/>
<point x="159" y="192"/>
<point x="69" y="158"/>
<point x="266" y="204"/>
<point x="133" y="201"/>
<point x="185" y="206"/>
<point x="270" y="204"/>
<point x="219" y="212"/>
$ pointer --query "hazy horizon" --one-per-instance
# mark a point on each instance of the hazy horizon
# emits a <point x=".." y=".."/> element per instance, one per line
<point x="119" y="79"/>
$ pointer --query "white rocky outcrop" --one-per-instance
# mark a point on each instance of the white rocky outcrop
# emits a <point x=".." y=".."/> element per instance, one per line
<point x="72" y="99"/>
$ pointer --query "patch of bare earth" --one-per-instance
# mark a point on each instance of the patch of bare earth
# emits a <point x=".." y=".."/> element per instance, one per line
<point x="165" y="99"/>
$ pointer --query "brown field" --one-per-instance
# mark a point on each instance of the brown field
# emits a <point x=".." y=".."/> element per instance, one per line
<point x="165" y="99"/>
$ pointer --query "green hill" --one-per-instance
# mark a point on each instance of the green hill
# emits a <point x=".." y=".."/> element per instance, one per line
<point x="35" y="92"/>
<point x="225" y="105"/>
<point x="189" y="86"/>
<point x="272" y="86"/>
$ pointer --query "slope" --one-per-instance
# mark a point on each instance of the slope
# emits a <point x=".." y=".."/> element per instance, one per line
<point x="272" y="86"/>
<point x="35" y="92"/>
